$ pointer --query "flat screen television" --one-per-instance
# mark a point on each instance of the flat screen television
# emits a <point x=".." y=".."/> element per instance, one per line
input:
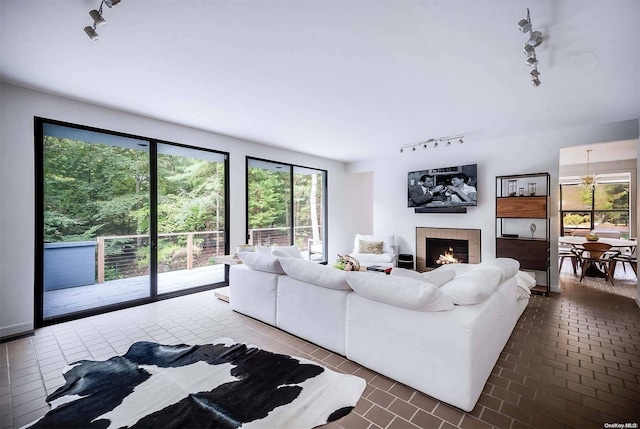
<point x="443" y="189"/>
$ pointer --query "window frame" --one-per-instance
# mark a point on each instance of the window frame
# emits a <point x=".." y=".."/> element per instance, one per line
<point x="291" y="171"/>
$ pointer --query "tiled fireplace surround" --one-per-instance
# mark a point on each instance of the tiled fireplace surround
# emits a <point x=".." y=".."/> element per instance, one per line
<point x="422" y="233"/>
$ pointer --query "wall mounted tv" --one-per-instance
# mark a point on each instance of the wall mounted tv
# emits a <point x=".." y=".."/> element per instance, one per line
<point x="443" y="190"/>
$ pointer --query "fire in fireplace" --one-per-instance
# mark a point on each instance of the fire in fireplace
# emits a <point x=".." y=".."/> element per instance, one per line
<point x="441" y="251"/>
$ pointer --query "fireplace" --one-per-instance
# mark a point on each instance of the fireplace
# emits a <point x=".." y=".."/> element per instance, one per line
<point x="431" y="243"/>
<point x="444" y="251"/>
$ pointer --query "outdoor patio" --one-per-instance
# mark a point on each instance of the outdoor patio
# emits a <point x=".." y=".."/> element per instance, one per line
<point x="69" y="300"/>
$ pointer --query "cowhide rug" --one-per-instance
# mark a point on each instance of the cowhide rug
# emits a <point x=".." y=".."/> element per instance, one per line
<point x="220" y="385"/>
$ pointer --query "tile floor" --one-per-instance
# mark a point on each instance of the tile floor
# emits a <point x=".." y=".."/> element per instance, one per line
<point x="573" y="360"/>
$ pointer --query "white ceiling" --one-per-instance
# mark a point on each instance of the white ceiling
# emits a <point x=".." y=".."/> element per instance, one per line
<point x="343" y="79"/>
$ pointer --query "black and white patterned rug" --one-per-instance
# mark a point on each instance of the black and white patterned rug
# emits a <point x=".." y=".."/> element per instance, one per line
<point x="220" y="385"/>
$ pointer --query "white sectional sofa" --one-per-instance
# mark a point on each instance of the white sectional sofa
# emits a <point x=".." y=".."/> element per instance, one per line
<point x="439" y="332"/>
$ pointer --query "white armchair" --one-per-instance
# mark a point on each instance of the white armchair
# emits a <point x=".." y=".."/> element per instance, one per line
<point x="375" y="250"/>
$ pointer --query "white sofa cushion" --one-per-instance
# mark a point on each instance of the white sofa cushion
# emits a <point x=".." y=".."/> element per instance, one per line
<point x="474" y="286"/>
<point x="388" y="242"/>
<point x="372" y="258"/>
<point x="437" y="277"/>
<point x="287" y="252"/>
<point x="261" y="262"/>
<point x="317" y="274"/>
<point x="402" y="292"/>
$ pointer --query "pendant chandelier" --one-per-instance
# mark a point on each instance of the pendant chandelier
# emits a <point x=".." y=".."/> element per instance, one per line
<point x="588" y="180"/>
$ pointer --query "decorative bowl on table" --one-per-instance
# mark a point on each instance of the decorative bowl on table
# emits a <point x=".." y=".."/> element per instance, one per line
<point x="592" y="237"/>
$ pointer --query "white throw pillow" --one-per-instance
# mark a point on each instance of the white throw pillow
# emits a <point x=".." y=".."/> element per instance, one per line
<point x="388" y="242"/>
<point x="437" y="277"/>
<point x="509" y="267"/>
<point x="400" y="291"/>
<point x="263" y="250"/>
<point x="287" y="252"/>
<point x="317" y="274"/>
<point x="261" y="262"/>
<point x="474" y="286"/>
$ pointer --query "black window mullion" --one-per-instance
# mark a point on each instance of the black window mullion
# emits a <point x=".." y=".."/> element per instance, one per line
<point x="292" y="221"/>
<point x="153" y="219"/>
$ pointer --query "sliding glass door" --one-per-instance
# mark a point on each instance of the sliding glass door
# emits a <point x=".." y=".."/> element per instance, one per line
<point x="123" y="220"/>
<point x="286" y="205"/>
<point x="191" y="217"/>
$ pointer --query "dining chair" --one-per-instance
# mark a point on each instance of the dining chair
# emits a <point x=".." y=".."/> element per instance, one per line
<point x="627" y="256"/>
<point x="600" y="256"/>
<point x="568" y="252"/>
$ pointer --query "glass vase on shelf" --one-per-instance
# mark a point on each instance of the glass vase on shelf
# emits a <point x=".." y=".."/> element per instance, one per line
<point x="532" y="189"/>
<point x="512" y="187"/>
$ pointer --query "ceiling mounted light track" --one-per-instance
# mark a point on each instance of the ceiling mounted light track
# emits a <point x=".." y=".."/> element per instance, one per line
<point x="535" y="39"/>
<point x="98" y="19"/>
<point x="425" y="144"/>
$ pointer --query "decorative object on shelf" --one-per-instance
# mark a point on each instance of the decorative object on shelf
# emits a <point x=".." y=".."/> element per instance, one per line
<point x="98" y="19"/>
<point x="532" y="228"/>
<point x="425" y="144"/>
<point x="535" y="39"/>
<point x="513" y="187"/>
<point x="532" y="189"/>
<point x="588" y="180"/>
<point x="521" y="192"/>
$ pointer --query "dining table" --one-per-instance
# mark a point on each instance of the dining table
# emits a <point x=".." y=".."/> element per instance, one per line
<point x="616" y="244"/>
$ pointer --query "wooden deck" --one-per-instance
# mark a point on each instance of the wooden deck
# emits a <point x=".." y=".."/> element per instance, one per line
<point x="61" y="301"/>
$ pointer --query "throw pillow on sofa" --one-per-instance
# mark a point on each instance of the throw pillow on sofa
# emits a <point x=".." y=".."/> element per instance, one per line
<point x="287" y="252"/>
<point x="374" y="247"/>
<point x="317" y="274"/>
<point x="261" y="262"/>
<point x="474" y="286"/>
<point x="402" y="292"/>
<point x="437" y="277"/>
<point x="388" y="242"/>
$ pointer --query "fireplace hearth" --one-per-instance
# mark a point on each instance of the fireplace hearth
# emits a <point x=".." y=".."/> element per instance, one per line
<point x="438" y="246"/>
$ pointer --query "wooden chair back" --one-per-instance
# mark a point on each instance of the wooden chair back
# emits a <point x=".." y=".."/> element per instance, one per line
<point x="596" y="250"/>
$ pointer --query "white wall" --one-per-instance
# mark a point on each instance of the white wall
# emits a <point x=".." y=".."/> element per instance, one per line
<point x="495" y="157"/>
<point x="18" y="107"/>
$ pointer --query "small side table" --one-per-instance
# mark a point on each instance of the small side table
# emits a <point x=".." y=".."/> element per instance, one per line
<point x="405" y="260"/>
<point x="229" y="260"/>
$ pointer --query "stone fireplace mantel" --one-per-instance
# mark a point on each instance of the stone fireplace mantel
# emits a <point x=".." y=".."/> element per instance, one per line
<point x="422" y="233"/>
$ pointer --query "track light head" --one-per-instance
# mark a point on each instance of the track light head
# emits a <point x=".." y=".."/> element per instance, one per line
<point x="535" y="39"/>
<point x="413" y="149"/>
<point x="98" y="20"/>
<point x="424" y="146"/>
<point x="91" y="32"/>
<point x="111" y="3"/>
<point x="529" y="51"/>
<point x="535" y="81"/>
<point x="401" y="149"/>
<point x="435" y="144"/>
<point x="461" y="141"/>
<point x="534" y="73"/>
<point x="532" y="62"/>
<point x="524" y="25"/>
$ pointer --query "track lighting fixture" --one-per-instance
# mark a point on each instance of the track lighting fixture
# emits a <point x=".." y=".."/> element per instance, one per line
<point x="98" y="19"/>
<point x="535" y="39"/>
<point x="425" y="144"/>
<point x="91" y="33"/>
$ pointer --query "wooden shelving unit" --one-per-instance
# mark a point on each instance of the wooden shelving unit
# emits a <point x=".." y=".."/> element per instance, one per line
<point x="515" y="215"/>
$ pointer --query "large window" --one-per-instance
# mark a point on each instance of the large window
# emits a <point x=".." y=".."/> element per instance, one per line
<point x="124" y="220"/>
<point x="605" y="207"/>
<point x="286" y="204"/>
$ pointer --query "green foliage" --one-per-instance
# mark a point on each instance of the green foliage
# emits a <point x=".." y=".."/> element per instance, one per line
<point x="95" y="190"/>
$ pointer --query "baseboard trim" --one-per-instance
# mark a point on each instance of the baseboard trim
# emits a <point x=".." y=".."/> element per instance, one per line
<point x="12" y="332"/>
